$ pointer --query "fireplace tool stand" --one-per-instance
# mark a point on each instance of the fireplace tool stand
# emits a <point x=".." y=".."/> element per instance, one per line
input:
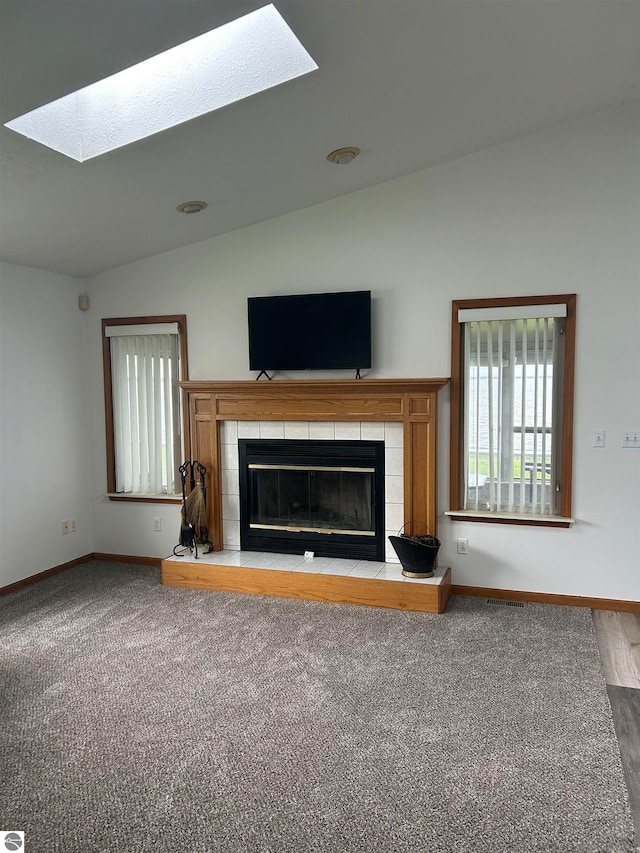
<point x="193" y="526"/>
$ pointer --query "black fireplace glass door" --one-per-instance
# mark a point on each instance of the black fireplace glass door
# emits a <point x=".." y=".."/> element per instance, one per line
<point x="319" y="496"/>
<point x="312" y="498"/>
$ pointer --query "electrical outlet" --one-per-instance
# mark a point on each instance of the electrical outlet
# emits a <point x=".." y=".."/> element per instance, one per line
<point x="72" y="525"/>
<point x="599" y="437"/>
<point x="463" y="546"/>
<point x="157" y="524"/>
<point x="65" y="526"/>
<point x="630" y="438"/>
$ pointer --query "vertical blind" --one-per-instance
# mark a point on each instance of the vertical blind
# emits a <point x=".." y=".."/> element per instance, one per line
<point x="145" y="407"/>
<point x="510" y="426"/>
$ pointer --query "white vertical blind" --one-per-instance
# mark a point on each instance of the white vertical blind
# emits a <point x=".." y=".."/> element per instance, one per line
<point x="144" y="369"/>
<point x="508" y="458"/>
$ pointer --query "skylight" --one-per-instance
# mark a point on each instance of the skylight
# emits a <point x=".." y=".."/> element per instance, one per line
<point x="234" y="61"/>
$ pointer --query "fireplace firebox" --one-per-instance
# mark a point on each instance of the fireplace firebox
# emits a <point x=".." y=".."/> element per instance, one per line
<point x="320" y="496"/>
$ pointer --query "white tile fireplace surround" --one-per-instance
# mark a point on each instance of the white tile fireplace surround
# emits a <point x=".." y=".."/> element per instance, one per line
<point x="392" y="433"/>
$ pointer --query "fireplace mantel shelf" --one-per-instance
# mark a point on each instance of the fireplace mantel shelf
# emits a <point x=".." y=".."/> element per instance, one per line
<point x="313" y="400"/>
<point x="311" y="386"/>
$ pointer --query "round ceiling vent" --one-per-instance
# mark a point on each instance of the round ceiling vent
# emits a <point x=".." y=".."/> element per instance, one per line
<point x="191" y="207"/>
<point x="342" y="156"/>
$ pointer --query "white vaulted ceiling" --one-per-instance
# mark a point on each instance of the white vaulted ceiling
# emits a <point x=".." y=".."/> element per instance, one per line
<point x="413" y="83"/>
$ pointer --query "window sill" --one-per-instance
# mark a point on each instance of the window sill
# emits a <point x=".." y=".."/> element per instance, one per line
<point x="145" y="498"/>
<point x="510" y="518"/>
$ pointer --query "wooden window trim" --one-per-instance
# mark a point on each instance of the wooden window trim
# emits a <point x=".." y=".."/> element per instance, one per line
<point x="181" y="320"/>
<point x="455" y="503"/>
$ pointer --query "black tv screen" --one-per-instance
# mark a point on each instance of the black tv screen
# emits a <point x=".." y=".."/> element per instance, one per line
<point x="316" y="331"/>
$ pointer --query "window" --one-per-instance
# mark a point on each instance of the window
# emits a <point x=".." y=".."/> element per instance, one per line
<point x="512" y="409"/>
<point x="144" y="358"/>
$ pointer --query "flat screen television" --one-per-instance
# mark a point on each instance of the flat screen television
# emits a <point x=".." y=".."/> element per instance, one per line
<point x="315" y="331"/>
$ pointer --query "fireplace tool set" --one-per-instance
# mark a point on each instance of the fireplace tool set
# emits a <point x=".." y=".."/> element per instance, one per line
<point x="193" y="525"/>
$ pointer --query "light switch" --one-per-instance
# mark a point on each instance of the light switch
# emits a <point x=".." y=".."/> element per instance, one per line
<point x="599" y="437"/>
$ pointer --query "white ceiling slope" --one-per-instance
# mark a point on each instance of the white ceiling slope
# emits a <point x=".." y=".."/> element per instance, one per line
<point x="413" y="83"/>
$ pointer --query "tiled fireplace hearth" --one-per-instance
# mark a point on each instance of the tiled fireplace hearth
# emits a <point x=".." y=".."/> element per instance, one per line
<point x="402" y="413"/>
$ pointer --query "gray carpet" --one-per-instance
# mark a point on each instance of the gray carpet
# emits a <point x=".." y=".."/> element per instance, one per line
<point x="139" y="717"/>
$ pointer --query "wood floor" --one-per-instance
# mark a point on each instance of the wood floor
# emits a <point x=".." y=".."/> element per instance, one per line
<point x="619" y="644"/>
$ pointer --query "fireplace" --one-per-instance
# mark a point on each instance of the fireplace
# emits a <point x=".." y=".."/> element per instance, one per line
<point x="403" y="412"/>
<point x="321" y="496"/>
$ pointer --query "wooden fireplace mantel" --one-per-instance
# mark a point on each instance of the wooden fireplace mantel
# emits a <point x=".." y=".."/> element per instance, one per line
<point x="412" y="402"/>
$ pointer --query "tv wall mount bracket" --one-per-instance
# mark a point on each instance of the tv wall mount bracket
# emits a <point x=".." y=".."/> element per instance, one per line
<point x="264" y="373"/>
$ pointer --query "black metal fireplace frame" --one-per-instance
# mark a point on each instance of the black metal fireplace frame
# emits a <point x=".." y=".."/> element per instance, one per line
<point x="347" y="453"/>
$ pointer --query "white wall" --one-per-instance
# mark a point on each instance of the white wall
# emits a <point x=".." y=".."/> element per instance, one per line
<point x="554" y="212"/>
<point x="44" y="446"/>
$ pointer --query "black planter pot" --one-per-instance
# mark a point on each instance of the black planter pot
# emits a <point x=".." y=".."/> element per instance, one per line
<point x="418" y="560"/>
